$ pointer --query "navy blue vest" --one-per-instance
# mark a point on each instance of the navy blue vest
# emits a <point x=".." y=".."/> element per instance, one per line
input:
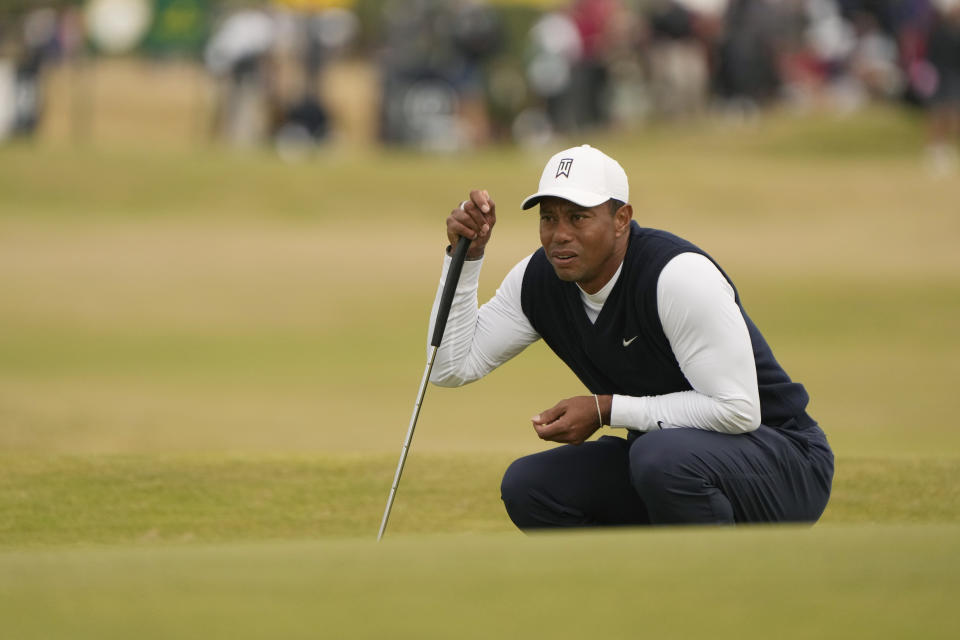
<point x="647" y="366"/>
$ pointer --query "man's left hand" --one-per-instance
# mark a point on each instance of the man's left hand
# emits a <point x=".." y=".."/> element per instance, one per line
<point x="570" y="421"/>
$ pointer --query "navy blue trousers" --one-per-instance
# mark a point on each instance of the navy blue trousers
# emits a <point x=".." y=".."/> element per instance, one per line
<point x="673" y="476"/>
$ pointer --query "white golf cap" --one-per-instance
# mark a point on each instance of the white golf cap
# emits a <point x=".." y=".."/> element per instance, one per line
<point x="583" y="175"/>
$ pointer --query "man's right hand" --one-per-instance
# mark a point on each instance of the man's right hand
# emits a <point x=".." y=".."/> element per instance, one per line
<point x="473" y="219"/>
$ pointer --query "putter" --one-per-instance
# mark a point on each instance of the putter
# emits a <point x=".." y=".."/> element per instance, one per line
<point x="446" y="299"/>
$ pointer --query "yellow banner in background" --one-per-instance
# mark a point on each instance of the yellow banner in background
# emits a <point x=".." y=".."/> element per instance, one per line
<point x="314" y="5"/>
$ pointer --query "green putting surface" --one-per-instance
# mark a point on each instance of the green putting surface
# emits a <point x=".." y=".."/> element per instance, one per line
<point x="871" y="581"/>
<point x="144" y="499"/>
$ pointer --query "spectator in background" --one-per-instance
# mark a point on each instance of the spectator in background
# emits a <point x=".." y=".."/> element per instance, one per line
<point x="555" y="49"/>
<point x="875" y="59"/>
<point x="943" y="52"/>
<point x="748" y="54"/>
<point x="568" y="68"/>
<point x="306" y="43"/>
<point x="28" y="48"/>
<point x="238" y="55"/>
<point x="591" y="78"/>
<point x="431" y="72"/>
<point x="911" y="20"/>
<point x="677" y="56"/>
<point x="477" y="37"/>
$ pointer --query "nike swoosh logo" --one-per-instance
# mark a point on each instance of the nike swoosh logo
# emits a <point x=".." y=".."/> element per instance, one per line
<point x="627" y="343"/>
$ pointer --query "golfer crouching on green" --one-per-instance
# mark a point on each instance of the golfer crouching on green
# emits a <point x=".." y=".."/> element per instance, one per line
<point x="716" y="431"/>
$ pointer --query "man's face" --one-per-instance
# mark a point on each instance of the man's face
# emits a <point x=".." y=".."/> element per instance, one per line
<point x="584" y="245"/>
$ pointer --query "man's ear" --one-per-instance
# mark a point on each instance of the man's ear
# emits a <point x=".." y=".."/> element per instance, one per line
<point x="622" y="218"/>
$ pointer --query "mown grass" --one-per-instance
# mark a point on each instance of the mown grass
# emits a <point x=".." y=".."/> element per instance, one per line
<point x="830" y="582"/>
<point x="138" y="499"/>
<point x="214" y="499"/>
<point x="206" y="358"/>
<point x="217" y="372"/>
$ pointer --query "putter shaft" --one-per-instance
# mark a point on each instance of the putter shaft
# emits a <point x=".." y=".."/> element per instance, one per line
<point x="440" y="324"/>
<point x="406" y="443"/>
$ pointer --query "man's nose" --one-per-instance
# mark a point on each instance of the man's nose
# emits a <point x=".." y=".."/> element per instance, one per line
<point x="563" y="232"/>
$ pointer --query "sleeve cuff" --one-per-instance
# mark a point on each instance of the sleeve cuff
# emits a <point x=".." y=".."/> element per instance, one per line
<point x="626" y="412"/>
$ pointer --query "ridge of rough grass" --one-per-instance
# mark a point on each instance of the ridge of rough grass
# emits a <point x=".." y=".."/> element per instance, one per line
<point x="74" y="500"/>
<point x="184" y="498"/>
<point x="851" y="581"/>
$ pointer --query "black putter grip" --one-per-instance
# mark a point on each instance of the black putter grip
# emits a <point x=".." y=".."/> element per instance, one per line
<point x="449" y="288"/>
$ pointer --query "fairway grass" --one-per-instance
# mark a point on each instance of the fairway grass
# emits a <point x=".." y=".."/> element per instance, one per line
<point x="212" y="499"/>
<point x="208" y="362"/>
<point x="880" y="581"/>
<point x="198" y="301"/>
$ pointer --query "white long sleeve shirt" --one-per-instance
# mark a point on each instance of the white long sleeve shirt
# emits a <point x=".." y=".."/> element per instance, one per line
<point x="700" y="319"/>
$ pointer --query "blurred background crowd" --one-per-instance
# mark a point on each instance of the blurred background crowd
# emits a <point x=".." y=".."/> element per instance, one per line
<point x="453" y="74"/>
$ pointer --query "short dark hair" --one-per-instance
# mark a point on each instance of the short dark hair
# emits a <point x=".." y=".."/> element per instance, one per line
<point x="614" y="205"/>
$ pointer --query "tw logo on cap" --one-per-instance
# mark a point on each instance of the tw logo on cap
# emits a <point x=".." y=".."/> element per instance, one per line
<point x="564" y="168"/>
